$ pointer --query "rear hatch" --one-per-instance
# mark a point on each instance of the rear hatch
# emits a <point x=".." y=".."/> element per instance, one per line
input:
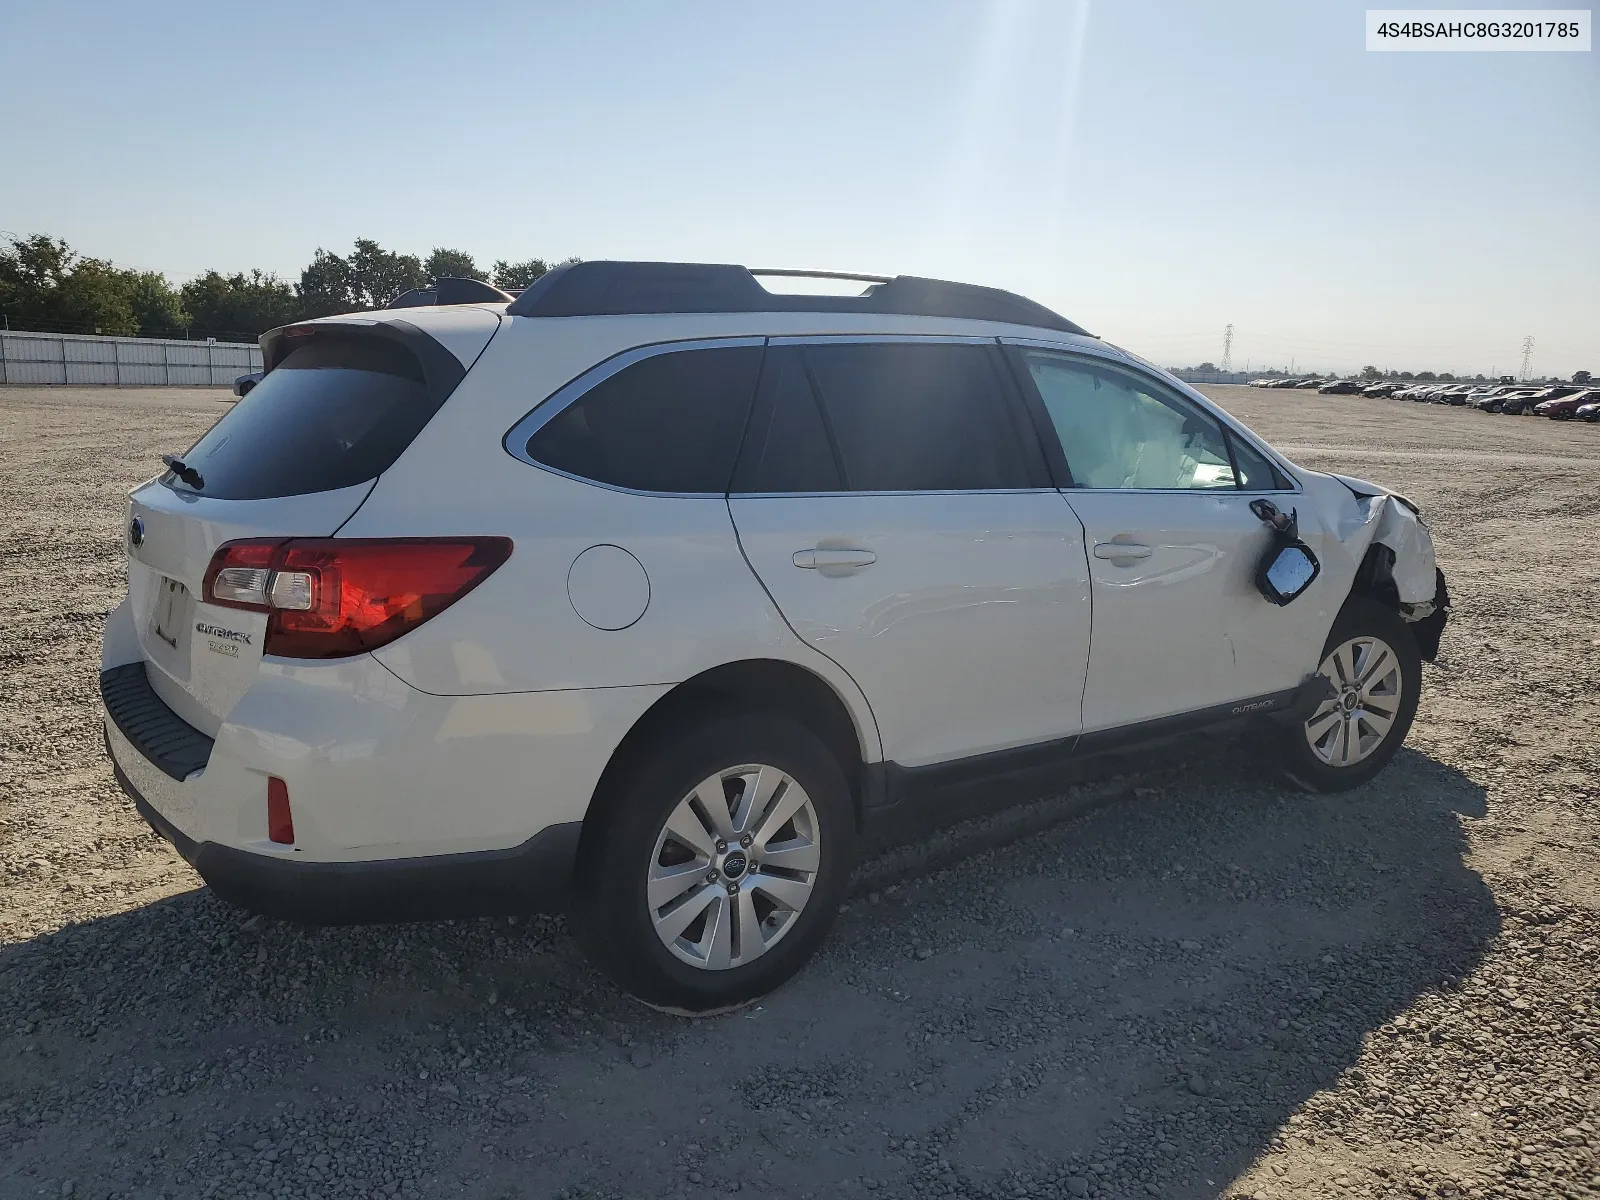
<point x="296" y="457"/>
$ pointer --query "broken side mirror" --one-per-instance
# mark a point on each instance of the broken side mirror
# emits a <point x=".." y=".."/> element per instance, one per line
<point x="1288" y="567"/>
<point x="1287" y="571"/>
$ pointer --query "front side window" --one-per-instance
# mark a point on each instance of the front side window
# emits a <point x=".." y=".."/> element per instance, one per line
<point x="668" y="423"/>
<point x="885" y="417"/>
<point x="1119" y="430"/>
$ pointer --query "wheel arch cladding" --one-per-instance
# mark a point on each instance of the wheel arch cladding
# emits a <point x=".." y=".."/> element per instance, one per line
<point x="750" y="685"/>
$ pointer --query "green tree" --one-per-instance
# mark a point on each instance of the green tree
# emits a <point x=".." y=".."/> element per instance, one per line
<point x="328" y="286"/>
<point x="1581" y="377"/>
<point x="452" y="264"/>
<point x="369" y="278"/>
<point x="241" y="305"/>
<point x="45" y="284"/>
<point x="517" y="275"/>
<point x="1446" y="377"/>
<point x="1426" y="376"/>
<point x="95" y="297"/>
<point x="1371" y="373"/>
<point x="157" y="308"/>
<point x="382" y="274"/>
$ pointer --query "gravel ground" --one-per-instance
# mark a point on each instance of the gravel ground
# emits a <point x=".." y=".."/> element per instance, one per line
<point x="1211" y="986"/>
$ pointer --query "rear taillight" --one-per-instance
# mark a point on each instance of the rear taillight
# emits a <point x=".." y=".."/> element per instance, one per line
<point x="332" y="597"/>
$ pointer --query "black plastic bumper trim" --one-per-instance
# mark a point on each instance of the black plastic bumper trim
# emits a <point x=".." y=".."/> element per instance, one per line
<point x="170" y="743"/>
<point x="532" y="877"/>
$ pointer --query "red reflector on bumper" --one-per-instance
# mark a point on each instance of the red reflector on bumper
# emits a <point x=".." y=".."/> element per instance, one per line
<point x="280" y="822"/>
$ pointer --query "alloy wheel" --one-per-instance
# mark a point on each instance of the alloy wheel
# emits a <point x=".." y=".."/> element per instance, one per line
<point x="733" y="867"/>
<point x="1349" y="726"/>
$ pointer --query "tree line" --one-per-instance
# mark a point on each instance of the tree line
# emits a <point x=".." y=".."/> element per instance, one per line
<point x="45" y="285"/>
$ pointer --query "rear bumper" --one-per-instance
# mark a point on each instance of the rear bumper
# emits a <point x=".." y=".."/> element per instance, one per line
<point x="532" y="877"/>
<point x="406" y="806"/>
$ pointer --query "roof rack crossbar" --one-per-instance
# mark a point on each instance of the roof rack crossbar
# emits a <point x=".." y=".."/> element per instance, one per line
<point x="600" y="288"/>
<point x="794" y="273"/>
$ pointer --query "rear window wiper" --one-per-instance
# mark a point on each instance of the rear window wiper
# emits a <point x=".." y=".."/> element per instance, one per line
<point x="186" y="473"/>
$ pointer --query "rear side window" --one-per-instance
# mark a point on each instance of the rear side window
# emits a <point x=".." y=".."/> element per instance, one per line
<point x="668" y="423"/>
<point x="897" y="417"/>
<point x="788" y="450"/>
<point x="332" y="414"/>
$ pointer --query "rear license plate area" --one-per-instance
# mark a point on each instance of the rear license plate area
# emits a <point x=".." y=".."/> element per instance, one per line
<point x="170" y="620"/>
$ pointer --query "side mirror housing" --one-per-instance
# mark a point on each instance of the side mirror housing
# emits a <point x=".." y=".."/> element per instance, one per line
<point x="1287" y="571"/>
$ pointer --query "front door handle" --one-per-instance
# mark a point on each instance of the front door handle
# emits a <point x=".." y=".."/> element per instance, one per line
<point x="833" y="561"/>
<point x="1121" y="553"/>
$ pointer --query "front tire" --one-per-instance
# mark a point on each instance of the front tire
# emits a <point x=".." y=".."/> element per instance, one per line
<point x="717" y="864"/>
<point x="1371" y="659"/>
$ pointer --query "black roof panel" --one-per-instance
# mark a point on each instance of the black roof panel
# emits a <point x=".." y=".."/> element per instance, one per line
<point x="606" y="288"/>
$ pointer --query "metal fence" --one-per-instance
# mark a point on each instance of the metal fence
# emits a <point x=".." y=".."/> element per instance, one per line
<point x="1192" y="375"/>
<point x="66" y="358"/>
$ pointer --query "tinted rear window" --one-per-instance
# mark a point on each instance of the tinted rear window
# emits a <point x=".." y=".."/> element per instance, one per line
<point x="668" y="423"/>
<point x="788" y="448"/>
<point x="914" y="417"/>
<point x="335" y="413"/>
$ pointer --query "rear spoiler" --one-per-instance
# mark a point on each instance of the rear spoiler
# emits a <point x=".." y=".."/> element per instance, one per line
<point x="441" y="370"/>
<point x="451" y="291"/>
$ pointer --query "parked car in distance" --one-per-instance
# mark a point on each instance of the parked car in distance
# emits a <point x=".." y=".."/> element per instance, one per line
<point x="1588" y="412"/>
<point x="1563" y="408"/>
<point x="1492" y="399"/>
<point x="1340" y="387"/>
<point x="243" y="384"/>
<point x="1512" y="396"/>
<point x="744" y="584"/>
<point x="1526" y="403"/>
<point x="1309" y="383"/>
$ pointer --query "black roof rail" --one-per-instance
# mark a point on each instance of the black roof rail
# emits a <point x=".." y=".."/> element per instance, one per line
<point x="606" y="288"/>
<point x="451" y="291"/>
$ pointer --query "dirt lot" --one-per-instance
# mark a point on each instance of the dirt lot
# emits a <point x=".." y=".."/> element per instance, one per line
<point x="1214" y="986"/>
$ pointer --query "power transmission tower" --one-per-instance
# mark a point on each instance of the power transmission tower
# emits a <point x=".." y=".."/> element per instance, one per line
<point x="1227" y="347"/>
<point x="1527" y="358"/>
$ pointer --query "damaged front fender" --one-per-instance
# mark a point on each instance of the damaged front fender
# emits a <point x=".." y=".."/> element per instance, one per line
<point x="1357" y="516"/>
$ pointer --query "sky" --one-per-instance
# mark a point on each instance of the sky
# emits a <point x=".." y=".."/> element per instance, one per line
<point x="1153" y="171"/>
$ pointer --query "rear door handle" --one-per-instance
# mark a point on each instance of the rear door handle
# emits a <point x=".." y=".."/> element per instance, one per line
<point x="1121" y="552"/>
<point x="833" y="561"/>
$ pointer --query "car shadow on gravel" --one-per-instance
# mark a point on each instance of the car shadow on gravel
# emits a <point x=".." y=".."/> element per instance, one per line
<point x="1128" y="990"/>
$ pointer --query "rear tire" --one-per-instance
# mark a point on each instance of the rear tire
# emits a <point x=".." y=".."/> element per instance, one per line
<point x="694" y="907"/>
<point x="1371" y="658"/>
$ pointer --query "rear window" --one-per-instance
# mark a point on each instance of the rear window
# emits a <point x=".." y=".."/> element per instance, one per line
<point x="332" y="414"/>
<point x="668" y="423"/>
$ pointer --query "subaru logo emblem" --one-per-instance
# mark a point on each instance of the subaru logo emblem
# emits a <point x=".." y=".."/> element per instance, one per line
<point x="733" y="866"/>
<point x="136" y="532"/>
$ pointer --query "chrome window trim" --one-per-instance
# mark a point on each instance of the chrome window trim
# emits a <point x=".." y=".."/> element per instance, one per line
<point x="844" y="339"/>
<point x="1040" y="491"/>
<point x="557" y="402"/>
<point x="1188" y="393"/>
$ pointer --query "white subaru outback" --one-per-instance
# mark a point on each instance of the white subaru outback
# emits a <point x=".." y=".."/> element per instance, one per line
<point x="658" y="594"/>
